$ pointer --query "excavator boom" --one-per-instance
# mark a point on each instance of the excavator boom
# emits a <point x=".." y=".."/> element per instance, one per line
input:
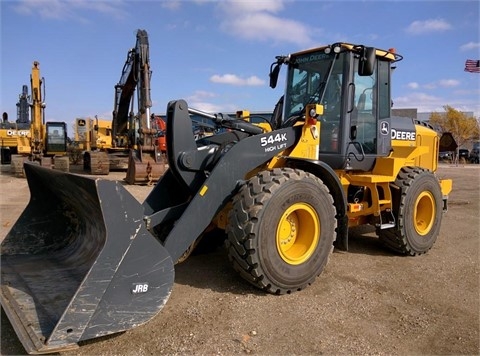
<point x="37" y="110"/>
<point x="133" y="131"/>
<point x="133" y="141"/>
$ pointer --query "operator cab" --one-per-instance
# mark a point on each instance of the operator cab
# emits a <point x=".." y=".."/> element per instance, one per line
<point x="56" y="138"/>
<point x="353" y="85"/>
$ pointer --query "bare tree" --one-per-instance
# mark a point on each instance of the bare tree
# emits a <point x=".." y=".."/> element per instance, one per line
<point x="463" y="128"/>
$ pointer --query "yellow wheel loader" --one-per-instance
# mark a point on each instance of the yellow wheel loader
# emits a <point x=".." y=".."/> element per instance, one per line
<point x="85" y="259"/>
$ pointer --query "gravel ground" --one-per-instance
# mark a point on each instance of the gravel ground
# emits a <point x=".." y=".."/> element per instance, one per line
<point x="367" y="301"/>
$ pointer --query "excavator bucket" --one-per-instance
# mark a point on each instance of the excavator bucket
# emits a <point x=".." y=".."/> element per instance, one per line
<point x="145" y="167"/>
<point x="79" y="263"/>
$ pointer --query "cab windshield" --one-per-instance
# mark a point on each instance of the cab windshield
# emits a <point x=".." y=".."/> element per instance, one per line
<point x="314" y="77"/>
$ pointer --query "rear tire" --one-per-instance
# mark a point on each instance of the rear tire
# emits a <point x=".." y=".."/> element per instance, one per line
<point x="281" y="230"/>
<point x="418" y="208"/>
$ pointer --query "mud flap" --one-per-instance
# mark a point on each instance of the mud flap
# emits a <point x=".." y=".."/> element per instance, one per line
<point x="79" y="263"/>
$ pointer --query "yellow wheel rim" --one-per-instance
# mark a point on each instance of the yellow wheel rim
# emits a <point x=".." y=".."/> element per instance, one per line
<point x="298" y="233"/>
<point x="424" y="213"/>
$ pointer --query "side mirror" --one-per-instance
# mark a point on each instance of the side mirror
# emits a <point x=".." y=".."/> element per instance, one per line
<point x="366" y="64"/>
<point x="274" y="71"/>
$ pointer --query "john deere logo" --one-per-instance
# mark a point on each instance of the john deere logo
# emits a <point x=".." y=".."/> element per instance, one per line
<point x="384" y="128"/>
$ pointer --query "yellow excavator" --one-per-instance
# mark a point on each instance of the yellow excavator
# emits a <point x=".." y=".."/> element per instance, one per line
<point x="85" y="259"/>
<point x="15" y="134"/>
<point x="46" y="142"/>
<point x="95" y="135"/>
<point x="92" y="134"/>
<point x="10" y="134"/>
<point x="133" y="141"/>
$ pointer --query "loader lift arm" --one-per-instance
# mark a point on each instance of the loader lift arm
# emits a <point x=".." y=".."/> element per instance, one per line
<point x="194" y="188"/>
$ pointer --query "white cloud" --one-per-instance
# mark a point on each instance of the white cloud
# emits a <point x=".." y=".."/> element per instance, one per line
<point x="233" y="79"/>
<point x="470" y="45"/>
<point x="467" y="92"/>
<point x="235" y="7"/>
<point x="443" y="83"/>
<point x="205" y="106"/>
<point x="203" y="100"/>
<point x="171" y="4"/>
<point x="424" y="102"/>
<point x="53" y="9"/>
<point x="448" y="83"/>
<point x="263" y="26"/>
<point x="212" y="108"/>
<point x="428" y="26"/>
<point x="430" y="86"/>
<point x="62" y="10"/>
<point x="258" y="20"/>
<point x="200" y="95"/>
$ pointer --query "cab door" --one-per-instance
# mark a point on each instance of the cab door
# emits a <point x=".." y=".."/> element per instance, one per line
<point x="370" y="131"/>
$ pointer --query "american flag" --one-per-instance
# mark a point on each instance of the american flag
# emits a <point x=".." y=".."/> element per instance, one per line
<point x="472" y="66"/>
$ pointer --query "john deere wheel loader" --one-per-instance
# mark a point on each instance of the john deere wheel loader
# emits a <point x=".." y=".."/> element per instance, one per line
<point x="85" y="259"/>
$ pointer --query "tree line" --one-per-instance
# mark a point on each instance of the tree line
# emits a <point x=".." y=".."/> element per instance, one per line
<point x="464" y="128"/>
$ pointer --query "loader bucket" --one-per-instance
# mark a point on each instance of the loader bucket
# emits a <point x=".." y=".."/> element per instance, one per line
<point x="79" y="263"/>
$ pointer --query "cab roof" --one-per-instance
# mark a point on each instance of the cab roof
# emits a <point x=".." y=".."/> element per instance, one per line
<point x="389" y="54"/>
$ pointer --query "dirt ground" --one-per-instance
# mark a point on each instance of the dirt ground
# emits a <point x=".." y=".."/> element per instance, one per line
<point x="367" y="301"/>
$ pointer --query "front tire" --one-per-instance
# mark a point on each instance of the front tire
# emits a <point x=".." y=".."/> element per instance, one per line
<point x="281" y="230"/>
<point x="418" y="208"/>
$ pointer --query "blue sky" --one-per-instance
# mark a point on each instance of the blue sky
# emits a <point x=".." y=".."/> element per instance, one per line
<point x="217" y="54"/>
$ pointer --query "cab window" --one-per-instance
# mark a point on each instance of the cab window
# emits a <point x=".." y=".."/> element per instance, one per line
<point x="366" y="107"/>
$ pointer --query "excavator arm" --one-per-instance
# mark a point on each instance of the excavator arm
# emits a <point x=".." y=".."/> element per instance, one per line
<point x="135" y="74"/>
<point x="124" y="91"/>
<point x="37" y="105"/>
<point x="133" y="130"/>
